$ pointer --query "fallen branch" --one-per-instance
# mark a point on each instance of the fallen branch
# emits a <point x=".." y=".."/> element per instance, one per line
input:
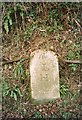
<point x="73" y="61"/>
<point x="12" y="61"/>
<point x="23" y="59"/>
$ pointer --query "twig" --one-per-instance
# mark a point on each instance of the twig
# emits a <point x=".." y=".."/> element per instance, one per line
<point x="77" y="23"/>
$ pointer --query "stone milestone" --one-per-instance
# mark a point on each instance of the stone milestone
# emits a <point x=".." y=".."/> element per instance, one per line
<point x="44" y="72"/>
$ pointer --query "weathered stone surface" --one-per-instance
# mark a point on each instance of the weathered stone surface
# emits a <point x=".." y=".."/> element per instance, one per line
<point x="44" y="74"/>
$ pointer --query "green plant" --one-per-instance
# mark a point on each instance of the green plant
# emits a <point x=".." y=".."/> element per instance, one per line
<point x="73" y="66"/>
<point x="29" y="31"/>
<point x="71" y="55"/>
<point x="19" y="72"/>
<point x="7" y="22"/>
<point x="54" y="116"/>
<point x="68" y="105"/>
<point x="64" y="90"/>
<point x="28" y="73"/>
<point x="14" y="14"/>
<point x="32" y="13"/>
<point x="65" y="102"/>
<point x="66" y="115"/>
<point x="74" y="52"/>
<point x="76" y="47"/>
<point x="5" y="87"/>
<point x="15" y="92"/>
<point x="54" y="16"/>
<point x="11" y="91"/>
<point x="37" y="115"/>
<point x="74" y="96"/>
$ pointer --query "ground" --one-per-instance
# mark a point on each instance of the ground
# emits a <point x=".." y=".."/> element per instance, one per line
<point x="23" y="107"/>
